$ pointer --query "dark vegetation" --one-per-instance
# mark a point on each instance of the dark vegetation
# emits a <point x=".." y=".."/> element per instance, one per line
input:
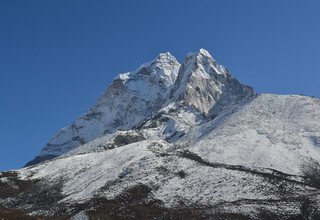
<point x="137" y="202"/>
<point x="30" y="195"/>
<point x="15" y="214"/>
<point x="313" y="179"/>
<point x="181" y="174"/>
<point x="311" y="172"/>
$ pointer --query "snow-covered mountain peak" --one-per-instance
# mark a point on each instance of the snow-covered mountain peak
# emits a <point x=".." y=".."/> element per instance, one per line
<point x="136" y="96"/>
<point x="161" y="61"/>
<point x="201" y="52"/>
<point x="202" y="83"/>
<point x="158" y="70"/>
<point x="165" y="56"/>
<point x="130" y="99"/>
<point x="204" y="52"/>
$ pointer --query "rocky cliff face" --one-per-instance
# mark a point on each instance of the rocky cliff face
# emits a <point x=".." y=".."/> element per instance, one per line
<point x="208" y="86"/>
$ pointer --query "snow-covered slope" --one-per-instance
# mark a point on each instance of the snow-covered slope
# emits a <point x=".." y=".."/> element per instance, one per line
<point x="280" y="132"/>
<point x="131" y="98"/>
<point x="174" y="140"/>
<point x="255" y="156"/>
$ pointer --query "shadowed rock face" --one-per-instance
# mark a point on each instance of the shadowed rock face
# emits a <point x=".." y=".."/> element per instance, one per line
<point x="124" y="139"/>
<point x="208" y="86"/>
<point x="40" y="159"/>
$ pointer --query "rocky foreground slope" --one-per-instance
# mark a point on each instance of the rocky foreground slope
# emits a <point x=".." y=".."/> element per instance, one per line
<point x="171" y="141"/>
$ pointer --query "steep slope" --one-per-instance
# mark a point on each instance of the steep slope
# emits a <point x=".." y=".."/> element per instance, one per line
<point x="131" y="98"/>
<point x="208" y="86"/>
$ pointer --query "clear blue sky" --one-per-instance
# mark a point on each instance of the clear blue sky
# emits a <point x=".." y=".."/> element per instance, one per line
<point x="57" y="57"/>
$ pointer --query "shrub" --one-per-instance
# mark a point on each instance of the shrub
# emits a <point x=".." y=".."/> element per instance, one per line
<point x="311" y="173"/>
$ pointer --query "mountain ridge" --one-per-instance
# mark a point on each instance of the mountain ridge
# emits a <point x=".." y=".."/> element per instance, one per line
<point x="133" y="96"/>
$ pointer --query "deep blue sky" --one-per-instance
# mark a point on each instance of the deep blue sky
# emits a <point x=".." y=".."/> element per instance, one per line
<point x="57" y="57"/>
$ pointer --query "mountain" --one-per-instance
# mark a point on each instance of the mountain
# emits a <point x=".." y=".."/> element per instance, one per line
<point x="130" y="99"/>
<point x="171" y="141"/>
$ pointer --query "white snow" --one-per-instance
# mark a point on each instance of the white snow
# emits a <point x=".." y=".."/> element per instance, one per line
<point x="123" y="105"/>
<point x="271" y="131"/>
<point x="123" y="76"/>
<point x="80" y="216"/>
<point x="203" y="110"/>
